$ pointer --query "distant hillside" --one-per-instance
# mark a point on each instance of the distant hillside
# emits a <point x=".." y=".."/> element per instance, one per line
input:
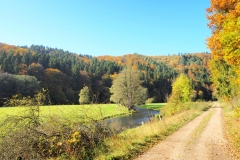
<point x="195" y="65"/>
<point x="1" y="44"/>
<point x="64" y="73"/>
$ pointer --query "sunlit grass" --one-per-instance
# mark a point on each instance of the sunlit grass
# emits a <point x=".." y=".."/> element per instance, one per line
<point x="95" y="111"/>
<point x="154" y="106"/>
<point x="10" y="111"/>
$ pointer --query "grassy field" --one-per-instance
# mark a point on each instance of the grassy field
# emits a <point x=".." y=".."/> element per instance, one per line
<point x="68" y="130"/>
<point x="154" y="106"/>
<point x="95" y="111"/>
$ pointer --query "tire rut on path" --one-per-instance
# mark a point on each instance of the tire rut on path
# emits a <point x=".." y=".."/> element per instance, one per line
<point x="210" y="144"/>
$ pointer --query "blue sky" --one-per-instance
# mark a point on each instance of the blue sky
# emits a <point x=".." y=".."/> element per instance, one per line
<point x="107" y="27"/>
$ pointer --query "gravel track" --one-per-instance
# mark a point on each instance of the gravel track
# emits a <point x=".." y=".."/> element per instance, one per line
<point x="200" y="139"/>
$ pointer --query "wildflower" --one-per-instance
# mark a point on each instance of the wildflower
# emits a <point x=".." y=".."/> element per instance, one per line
<point x="59" y="144"/>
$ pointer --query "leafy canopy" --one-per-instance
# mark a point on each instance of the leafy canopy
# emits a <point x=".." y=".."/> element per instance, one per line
<point x="181" y="93"/>
<point x="127" y="90"/>
<point x="182" y="88"/>
<point x="224" y="21"/>
<point x="84" y="95"/>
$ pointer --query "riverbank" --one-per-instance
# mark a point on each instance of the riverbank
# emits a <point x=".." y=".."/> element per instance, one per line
<point x="133" y="142"/>
<point x="154" y="106"/>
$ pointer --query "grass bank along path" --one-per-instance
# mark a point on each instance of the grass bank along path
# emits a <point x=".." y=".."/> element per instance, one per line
<point x="200" y="139"/>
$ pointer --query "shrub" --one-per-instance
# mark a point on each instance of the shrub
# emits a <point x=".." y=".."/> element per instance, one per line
<point x="149" y="100"/>
<point x="181" y="93"/>
<point x="28" y="136"/>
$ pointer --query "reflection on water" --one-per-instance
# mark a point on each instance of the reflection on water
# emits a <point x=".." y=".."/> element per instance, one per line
<point x="135" y="119"/>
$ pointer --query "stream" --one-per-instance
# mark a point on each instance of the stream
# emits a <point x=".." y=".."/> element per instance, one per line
<point x="137" y="118"/>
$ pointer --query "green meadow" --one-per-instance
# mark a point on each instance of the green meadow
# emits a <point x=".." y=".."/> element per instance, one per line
<point x="96" y="111"/>
<point x="154" y="106"/>
<point x="77" y="112"/>
<point x="72" y="112"/>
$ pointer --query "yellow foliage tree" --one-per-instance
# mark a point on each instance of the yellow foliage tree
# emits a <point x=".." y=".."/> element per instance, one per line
<point x="181" y="93"/>
<point x="224" y="43"/>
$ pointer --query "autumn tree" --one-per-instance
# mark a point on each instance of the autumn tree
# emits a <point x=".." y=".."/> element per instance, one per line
<point x="224" y="77"/>
<point x="37" y="70"/>
<point x="223" y="16"/>
<point x="84" y="95"/>
<point x="224" y="21"/>
<point x="56" y="82"/>
<point x="181" y="88"/>
<point x="181" y="93"/>
<point x="127" y="90"/>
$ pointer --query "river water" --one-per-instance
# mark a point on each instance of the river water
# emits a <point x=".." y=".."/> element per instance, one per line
<point x="133" y="120"/>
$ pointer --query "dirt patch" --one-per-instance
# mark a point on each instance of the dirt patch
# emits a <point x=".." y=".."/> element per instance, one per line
<point x="187" y="144"/>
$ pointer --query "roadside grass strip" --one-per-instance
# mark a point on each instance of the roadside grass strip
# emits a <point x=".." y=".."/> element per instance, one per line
<point x="232" y="129"/>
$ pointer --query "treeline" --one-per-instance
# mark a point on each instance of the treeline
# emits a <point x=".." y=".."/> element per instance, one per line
<point x="196" y="67"/>
<point x="11" y="84"/>
<point x="61" y="72"/>
<point x="23" y="70"/>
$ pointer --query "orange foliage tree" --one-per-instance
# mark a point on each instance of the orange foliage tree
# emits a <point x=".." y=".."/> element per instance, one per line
<point x="224" y="21"/>
<point x="223" y="16"/>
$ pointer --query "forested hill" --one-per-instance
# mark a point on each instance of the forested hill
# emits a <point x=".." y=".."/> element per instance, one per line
<point x="27" y="69"/>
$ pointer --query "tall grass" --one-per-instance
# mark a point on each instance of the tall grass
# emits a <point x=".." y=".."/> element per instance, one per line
<point x="232" y="128"/>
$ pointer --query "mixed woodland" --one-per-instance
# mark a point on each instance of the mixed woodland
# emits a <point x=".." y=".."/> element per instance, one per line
<point x="224" y="43"/>
<point x="25" y="70"/>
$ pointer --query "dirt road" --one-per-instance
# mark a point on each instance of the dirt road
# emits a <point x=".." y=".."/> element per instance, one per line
<point x="201" y="139"/>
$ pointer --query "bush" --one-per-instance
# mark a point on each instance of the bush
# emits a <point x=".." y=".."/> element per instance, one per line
<point x="181" y="93"/>
<point x="52" y="140"/>
<point x="149" y="100"/>
<point x="28" y="136"/>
